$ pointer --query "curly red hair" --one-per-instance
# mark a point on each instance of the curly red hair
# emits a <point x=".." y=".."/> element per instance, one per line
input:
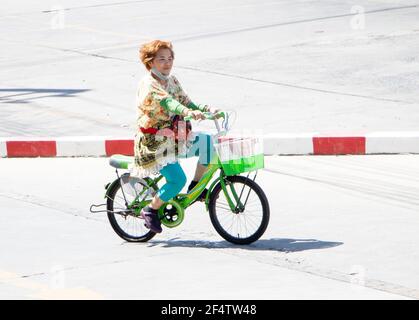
<point x="149" y="50"/>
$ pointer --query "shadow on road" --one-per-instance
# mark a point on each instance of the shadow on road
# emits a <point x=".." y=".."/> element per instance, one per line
<point x="276" y="244"/>
<point x="23" y="95"/>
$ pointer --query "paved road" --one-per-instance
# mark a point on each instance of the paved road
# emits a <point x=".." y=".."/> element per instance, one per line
<point x="341" y="227"/>
<point x="340" y="67"/>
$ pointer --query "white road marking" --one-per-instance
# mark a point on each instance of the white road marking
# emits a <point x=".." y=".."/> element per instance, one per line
<point x="43" y="291"/>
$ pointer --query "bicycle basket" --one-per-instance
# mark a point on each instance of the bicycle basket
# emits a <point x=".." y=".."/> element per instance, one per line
<point x="238" y="155"/>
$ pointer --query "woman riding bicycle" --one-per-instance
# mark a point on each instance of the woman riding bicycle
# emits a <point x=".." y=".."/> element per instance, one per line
<point x="161" y="103"/>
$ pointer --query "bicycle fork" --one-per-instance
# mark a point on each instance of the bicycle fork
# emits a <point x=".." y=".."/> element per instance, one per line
<point x="239" y="206"/>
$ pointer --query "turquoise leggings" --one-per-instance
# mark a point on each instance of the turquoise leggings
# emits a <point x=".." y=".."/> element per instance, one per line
<point x="203" y="147"/>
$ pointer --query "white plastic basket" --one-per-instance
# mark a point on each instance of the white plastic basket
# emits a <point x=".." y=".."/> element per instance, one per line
<point x="240" y="154"/>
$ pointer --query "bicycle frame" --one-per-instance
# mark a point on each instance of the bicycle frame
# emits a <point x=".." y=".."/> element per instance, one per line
<point x="186" y="199"/>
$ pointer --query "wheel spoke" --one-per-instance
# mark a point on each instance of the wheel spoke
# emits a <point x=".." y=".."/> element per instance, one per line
<point x="251" y="221"/>
<point x="223" y="207"/>
<point x="227" y="220"/>
<point x="232" y="223"/>
<point x="243" y="223"/>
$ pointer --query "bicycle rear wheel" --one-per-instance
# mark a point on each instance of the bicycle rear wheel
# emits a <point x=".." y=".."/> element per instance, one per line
<point x="129" y="227"/>
<point x="244" y="225"/>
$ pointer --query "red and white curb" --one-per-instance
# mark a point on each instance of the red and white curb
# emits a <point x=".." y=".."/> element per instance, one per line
<point x="329" y="144"/>
<point x="65" y="147"/>
<point x="274" y="144"/>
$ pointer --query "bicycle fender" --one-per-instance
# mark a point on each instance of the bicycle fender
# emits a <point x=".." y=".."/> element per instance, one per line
<point x="109" y="186"/>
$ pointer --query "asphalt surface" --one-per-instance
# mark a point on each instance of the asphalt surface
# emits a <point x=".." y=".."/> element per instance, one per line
<point x="341" y="228"/>
<point x="343" y="67"/>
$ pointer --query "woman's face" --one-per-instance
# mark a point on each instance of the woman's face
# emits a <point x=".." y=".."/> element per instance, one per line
<point x="163" y="61"/>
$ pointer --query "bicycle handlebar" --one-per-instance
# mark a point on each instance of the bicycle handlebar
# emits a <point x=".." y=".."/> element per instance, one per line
<point x="208" y="116"/>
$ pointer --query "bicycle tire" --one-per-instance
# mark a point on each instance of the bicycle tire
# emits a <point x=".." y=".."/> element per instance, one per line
<point x="264" y="203"/>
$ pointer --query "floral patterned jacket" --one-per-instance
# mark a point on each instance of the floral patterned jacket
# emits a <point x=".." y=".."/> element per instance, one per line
<point x="153" y="152"/>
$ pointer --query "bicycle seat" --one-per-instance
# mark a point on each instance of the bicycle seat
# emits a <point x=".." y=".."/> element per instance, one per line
<point x="120" y="161"/>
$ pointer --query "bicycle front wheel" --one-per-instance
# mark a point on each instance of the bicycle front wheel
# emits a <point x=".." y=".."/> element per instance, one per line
<point x="248" y="220"/>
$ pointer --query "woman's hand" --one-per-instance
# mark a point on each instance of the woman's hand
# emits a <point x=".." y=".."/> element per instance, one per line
<point x="195" y="114"/>
<point x="214" y="111"/>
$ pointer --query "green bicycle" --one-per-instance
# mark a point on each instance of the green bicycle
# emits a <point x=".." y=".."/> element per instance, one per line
<point x="237" y="206"/>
